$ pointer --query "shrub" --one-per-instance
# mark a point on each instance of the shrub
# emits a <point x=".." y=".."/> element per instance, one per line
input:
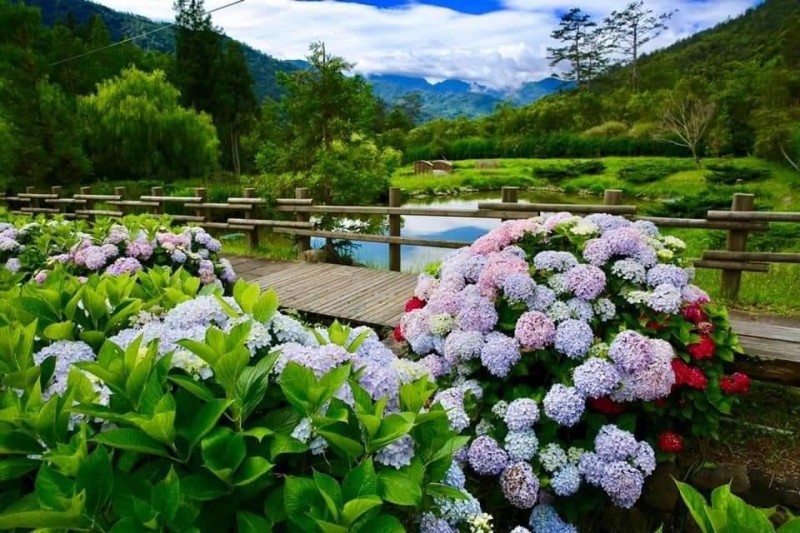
<point x="650" y="171"/>
<point x="572" y="169"/>
<point x="697" y="205"/>
<point x="590" y="346"/>
<point x="725" y="174"/>
<point x="611" y="128"/>
<point x="220" y="414"/>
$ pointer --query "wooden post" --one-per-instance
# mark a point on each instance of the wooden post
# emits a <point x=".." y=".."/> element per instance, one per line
<point x="612" y="197"/>
<point x="157" y="191"/>
<point x="30" y="189"/>
<point x="201" y="192"/>
<point x="56" y="189"/>
<point x="737" y="242"/>
<point x="303" y="243"/>
<point x="120" y="191"/>
<point x="395" y="223"/>
<point x="250" y="192"/>
<point x="509" y="195"/>
<point x="89" y="205"/>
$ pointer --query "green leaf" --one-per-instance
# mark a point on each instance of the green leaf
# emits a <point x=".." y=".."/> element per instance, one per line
<point x="791" y="526"/>
<point x="397" y="487"/>
<point x="60" y="520"/>
<point x="329" y="527"/>
<point x="252" y="469"/>
<point x="60" y="331"/>
<point x="282" y="444"/>
<point x="252" y="523"/>
<point x="258" y="433"/>
<point x="203" y="487"/>
<point x="299" y="494"/>
<point x="17" y="442"/>
<point x="299" y="385"/>
<point x="392" y="428"/>
<point x="17" y="467"/>
<point x="205" y="420"/>
<point x="166" y="497"/>
<point x="266" y="306"/>
<point x="96" y="478"/>
<point x="697" y="506"/>
<point x="351" y="448"/>
<point x="330" y="491"/>
<point x="354" y="509"/>
<point x="229" y="366"/>
<point x="745" y="517"/>
<point x="444" y="491"/>
<point x="130" y="439"/>
<point x="223" y="451"/>
<point x="200" y="349"/>
<point x="360" y="482"/>
<point x="384" y="523"/>
<point x="192" y="386"/>
<point x="54" y="491"/>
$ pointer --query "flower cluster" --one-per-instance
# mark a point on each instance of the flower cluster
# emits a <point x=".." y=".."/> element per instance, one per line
<point x="557" y="317"/>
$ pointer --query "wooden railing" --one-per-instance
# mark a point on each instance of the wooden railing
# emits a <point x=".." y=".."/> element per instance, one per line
<point x="246" y="214"/>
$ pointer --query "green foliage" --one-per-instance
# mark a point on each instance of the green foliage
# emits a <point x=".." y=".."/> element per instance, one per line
<point x="612" y="128"/>
<point x="137" y="128"/>
<point x="570" y="170"/>
<point x="729" y="513"/>
<point x="722" y="174"/>
<point x="648" y="172"/>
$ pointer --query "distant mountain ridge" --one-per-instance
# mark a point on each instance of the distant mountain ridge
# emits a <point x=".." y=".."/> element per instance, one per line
<point x="446" y="99"/>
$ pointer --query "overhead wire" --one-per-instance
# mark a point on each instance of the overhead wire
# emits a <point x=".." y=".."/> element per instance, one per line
<point x="144" y="34"/>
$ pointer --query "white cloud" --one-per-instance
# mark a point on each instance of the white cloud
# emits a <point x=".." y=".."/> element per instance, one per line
<point x="499" y="49"/>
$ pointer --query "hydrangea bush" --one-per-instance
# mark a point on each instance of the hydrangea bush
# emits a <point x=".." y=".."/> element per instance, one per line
<point x="36" y="248"/>
<point x="209" y="413"/>
<point x="589" y="345"/>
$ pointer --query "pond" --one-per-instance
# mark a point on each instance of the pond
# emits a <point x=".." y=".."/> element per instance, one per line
<point x="415" y="258"/>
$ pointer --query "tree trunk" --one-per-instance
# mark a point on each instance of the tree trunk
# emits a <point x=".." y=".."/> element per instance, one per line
<point x="634" y="72"/>
<point x="237" y="169"/>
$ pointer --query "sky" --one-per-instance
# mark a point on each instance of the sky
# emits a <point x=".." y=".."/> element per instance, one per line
<point x="497" y="43"/>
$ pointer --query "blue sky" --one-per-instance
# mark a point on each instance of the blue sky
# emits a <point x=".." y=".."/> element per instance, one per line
<point x="498" y="43"/>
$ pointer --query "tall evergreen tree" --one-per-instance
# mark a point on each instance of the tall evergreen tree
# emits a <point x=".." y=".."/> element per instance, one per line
<point x="632" y="28"/>
<point x="575" y="33"/>
<point x="236" y="105"/>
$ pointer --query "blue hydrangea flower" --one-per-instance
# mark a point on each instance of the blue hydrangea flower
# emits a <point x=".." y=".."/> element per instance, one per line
<point x="518" y="287"/>
<point x="607" y="222"/>
<point x="559" y="311"/>
<point x="645" y="459"/>
<point x="455" y="476"/>
<point x="554" y="261"/>
<point x="592" y="467"/>
<point x="573" y="338"/>
<point x="597" y="252"/>
<point x="452" y="401"/>
<point x="521" y="414"/>
<point x="486" y="457"/>
<point x="520" y="485"/>
<point x="477" y="314"/>
<point x="595" y="378"/>
<point x="665" y="299"/>
<point x="629" y="270"/>
<point x="463" y="345"/>
<point x="631" y="351"/>
<point x="615" y="444"/>
<point x="543" y="297"/>
<point x="545" y="519"/>
<point x="499" y="354"/>
<point x="605" y="309"/>
<point x="520" y="529"/>
<point x="623" y="483"/>
<point x="397" y="454"/>
<point x="564" y="405"/>
<point x="566" y="481"/>
<point x="521" y="445"/>
<point x="667" y="275"/>
<point x="553" y="457"/>
<point x="432" y="524"/>
<point x="580" y="309"/>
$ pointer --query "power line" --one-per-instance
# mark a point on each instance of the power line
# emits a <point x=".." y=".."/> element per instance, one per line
<point x="145" y="34"/>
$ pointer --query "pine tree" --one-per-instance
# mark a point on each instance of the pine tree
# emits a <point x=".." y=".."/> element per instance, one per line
<point x="632" y="28"/>
<point x="575" y="33"/>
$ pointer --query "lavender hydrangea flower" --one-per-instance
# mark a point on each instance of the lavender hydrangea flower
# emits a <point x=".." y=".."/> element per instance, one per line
<point x="436" y="365"/>
<point x="645" y="459"/>
<point x="623" y="483"/>
<point x="607" y="222"/>
<point x="13" y="265"/>
<point x="178" y="256"/>
<point x="455" y="477"/>
<point x="452" y="401"/>
<point x="693" y="294"/>
<point x="397" y="454"/>
<point x="520" y="485"/>
<point x="580" y="309"/>
<point x="631" y="352"/>
<point x="543" y="297"/>
<point x="597" y="252"/>
<point x="545" y="519"/>
<point x="553" y="457"/>
<point x="444" y="301"/>
<point x="592" y="468"/>
<point x="534" y="330"/>
<point x="629" y="270"/>
<point x="521" y="445"/>
<point x="665" y="299"/>
<point x="559" y="311"/>
<point x="615" y="444"/>
<point x="595" y="378"/>
<point x="586" y="281"/>
<point x="566" y="481"/>
<point x="667" y="275"/>
<point x="66" y="354"/>
<point x="518" y="287"/>
<point x="564" y="405"/>
<point x="431" y="524"/>
<point x="477" y="314"/>
<point x="521" y="414"/>
<point x="486" y="457"/>
<point x="463" y="345"/>
<point x="554" y="261"/>
<point x="573" y="338"/>
<point x="651" y="383"/>
<point x="605" y="309"/>
<point x="499" y="354"/>
<point x="124" y="265"/>
<point x="426" y="286"/>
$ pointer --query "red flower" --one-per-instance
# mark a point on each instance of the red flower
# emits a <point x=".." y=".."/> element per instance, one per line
<point x="655" y="325"/>
<point x="414" y="303"/>
<point x="705" y="328"/>
<point x="691" y="376"/>
<point x="670" y="442"/>
<point x="704" y="349"/>
<point x="694" y="313"/>
<point x="398" y="334"/>
<point x="661" y="402"/>
<point x="736" y="383"/>
<point x="606" y="405"/>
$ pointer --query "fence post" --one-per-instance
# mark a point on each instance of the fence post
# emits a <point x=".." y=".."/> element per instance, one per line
<point x="157" y="191"/>
<point x="303" y="242"/>
<point x="56" y="189"/>
<point x="250" y="192"/>
<point x="202" y="193"/>
<point x="509" y="195"/>
<point x="34" y="203"/>
<point x="120" y="191"/>
<point x="395" y="199"/>
<point x="737" y="242"/>
<point x="612" y="197"/>
<point x="89" y="203"/>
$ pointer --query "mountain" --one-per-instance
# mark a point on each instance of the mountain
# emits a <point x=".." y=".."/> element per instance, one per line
<point x="263" y="67"/>
<point x="453" y="98"/>
<point x="445" y="99"/>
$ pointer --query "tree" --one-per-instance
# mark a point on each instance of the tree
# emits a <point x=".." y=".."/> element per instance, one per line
<point x="236" y="104"/>
<point x="323" y="105"/>
<point x="685" y="121"/>
<point x="575" y="33"/>
<point x="631" y="29"/>
<point x="137" y="129"/>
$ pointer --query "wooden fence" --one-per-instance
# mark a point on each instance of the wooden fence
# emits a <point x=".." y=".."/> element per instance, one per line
<point x="246" y="214"/>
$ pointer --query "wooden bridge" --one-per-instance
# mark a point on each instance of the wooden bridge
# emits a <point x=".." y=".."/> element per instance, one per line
<point x="376" y="298"/>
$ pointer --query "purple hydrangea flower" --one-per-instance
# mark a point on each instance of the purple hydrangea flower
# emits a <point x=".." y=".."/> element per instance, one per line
<point x="592" y="467"/>
<point x="631" y="352"/>
<point x="520" y="485"/>
<point x="486" y="457"/>
<point x="444" y="301"/>
<point x="518" y="287"/>
<point x="665" y="299"/>
<point x="573" y="338"/>
<point x="178" y="256"/>
<point x="124" y="265"/>
<point x="521" y="414"/>
<point x="13" y="265"/>
<point x="597" y="252"/>
<point x="521" y="445"/>
<point x="452" y="401"/>
<point x="653" y="382"/>
<point x="623" y="483"/>
<point x="615" y="444"/>
<point x="545" y="519"/>
<point x="566" y="481"/>
<point x="693" y="294"/>
<point x="667" y="275"/>
<point x="534" y="330"/>
<point x="586" y="281"/>
<point x="477" y="314"/>
<point x="554" y="261"/>
<point x="595" y="378"/>
<point x="500" y="352"/>
<point x="436" y="364"/>
<point x="543" y="297"/>
<point x="431" y="524"/>
<point x="110" y="250"/>
<point x="463" y="345"/>
<point x="629" y="270"/>
<point x="607" y="222"/>
<point x="564" y="405"/>
<point x="645" y="459"/>
<point x="397" y="454"/>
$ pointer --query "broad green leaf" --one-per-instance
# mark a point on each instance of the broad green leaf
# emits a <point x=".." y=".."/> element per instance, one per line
<point x="397" y="487"/>
<point x="60" y="520"/>
<point x="192" y="386"/>
<point x="205" y="420"/>
<point x="354" y="509"/>
<point x="201" y="350"/>
<point x="166" y="496"/>
<point x="229" y="367"/>
<point x="252" y="469"/>
<point x="223" y="451"/>
<point x="15" y="468"/>
<point x="444" y="491"/>
<point x="330" y="527"/>
<point x="266" y="306"/>
<point x="360" y="482"/>
<point x="745" y="517"/>
<point x="350" y="447"/>
<point x="299" y="494"/>
<point x="392" y="428"/>
<point x="330" y="491"/>
<point x="252" y="523"/>
<point x="96" y="478"/>
<point x="282" y="444"/>
<point x="791" y="526"/>
<point x="203" y="487"/>
<point x="55" y="491"/>
<point x="697" y="506"/>
<point x="258" y="433"/>
<point x="130" y="439"/>
<point x="384" y="523"/>
<point x="299" y="385"/>
<point x="60" y="331"/>
<point x="17" y="442"/>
